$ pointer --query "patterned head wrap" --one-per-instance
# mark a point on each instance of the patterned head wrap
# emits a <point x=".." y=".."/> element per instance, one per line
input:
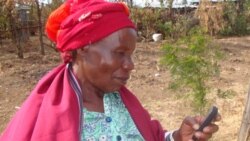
<point x="78" y="23"/>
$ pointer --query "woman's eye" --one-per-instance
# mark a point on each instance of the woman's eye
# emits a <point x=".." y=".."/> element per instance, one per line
<point x="120" y="52"/>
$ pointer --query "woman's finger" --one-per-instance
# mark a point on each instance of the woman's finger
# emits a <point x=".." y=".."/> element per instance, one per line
<point x="193" y="122"/>
<point x="218" y="117"/>
<point x="212" y="128"/>
<point x="200" y="136"/>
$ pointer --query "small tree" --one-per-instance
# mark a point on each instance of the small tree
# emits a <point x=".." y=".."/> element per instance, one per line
<point x="236" y="18"/>
<point x="40" y="24"/>
<point x="192" y="61"/>
<point x="13" y="26"/>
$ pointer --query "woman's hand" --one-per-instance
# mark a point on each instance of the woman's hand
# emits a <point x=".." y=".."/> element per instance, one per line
<point x="191" y="124"/>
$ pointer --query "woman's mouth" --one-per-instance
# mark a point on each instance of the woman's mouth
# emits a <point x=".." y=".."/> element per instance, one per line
<point x="122" y="80"/>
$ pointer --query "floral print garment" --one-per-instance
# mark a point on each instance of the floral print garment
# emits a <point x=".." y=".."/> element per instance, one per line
<point x="115" y="124"/>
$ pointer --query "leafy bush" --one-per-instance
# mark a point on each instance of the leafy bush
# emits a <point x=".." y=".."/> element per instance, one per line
<point x="192" y="60"/>
<point x="152" y="20"/>
<point x="240" y="26"/>
<point x="220" y="18"/>
<point x="146" y="20"/>
<point x="235" y="23"/>
<point x="228" y="94"/>
<point x="166" y="28"/>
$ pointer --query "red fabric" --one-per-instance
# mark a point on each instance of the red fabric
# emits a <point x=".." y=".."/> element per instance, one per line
<point x="91" y="21"/>
<point x="78" y="23"/>
<point x="55" y="19"/>
<point x="51" y="113"/>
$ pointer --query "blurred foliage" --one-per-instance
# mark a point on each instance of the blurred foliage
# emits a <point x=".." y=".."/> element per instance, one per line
<point x="48" y="8"/>
<point x="210" y="16"/>
<point x="18" y="24"/>
<point x="159" y="20"/>
<point x="216" y="18"/>
<point x="147" y="20"/>
<point x="222" y="18"/>
<point x="235" y="23"/>
<point x="7" y="12"/>
<point x="228" y="94"/>
<point x="192" y="60"/>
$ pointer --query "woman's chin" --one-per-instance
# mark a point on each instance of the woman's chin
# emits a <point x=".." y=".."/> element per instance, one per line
<point x="114" y="89"/>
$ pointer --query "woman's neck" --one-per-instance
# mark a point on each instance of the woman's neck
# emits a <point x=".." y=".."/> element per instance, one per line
<point x="92" y="96"/>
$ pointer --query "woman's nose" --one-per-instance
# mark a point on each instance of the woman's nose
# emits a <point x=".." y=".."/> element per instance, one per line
<point x="128" y="63"/>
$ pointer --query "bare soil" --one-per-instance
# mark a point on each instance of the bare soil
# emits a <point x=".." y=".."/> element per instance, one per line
<point x="149" y="82"/>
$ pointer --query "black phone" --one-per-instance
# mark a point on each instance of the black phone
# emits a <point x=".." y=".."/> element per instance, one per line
<point x="209" y="118"/>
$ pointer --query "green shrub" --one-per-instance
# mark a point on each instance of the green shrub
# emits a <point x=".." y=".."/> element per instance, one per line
<point x="240" y="26"/>
<point x="192" y="60"/>
<point x="228" y="94"/>
<point x="165" y="28"/>
<point x="147" y="20"/>
<point x="235" y="23"/>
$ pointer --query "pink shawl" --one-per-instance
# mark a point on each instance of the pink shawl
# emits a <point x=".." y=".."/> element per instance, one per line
<point x="51" y="113"/>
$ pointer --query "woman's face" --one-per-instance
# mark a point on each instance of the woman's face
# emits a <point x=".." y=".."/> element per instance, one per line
<point x="107" y="64"/>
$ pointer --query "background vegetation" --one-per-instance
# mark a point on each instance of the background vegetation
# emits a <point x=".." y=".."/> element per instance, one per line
<point x="190" y="53"/>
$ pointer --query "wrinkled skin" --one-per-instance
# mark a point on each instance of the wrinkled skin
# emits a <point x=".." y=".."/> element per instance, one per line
<point x="105" y="66"/>
<point x="190" y="124"/>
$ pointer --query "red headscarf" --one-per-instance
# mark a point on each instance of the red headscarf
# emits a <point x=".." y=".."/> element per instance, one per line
<point x="78" y="23"/>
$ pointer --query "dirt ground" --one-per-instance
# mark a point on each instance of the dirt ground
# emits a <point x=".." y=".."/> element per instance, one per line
<point x="149" y="82"/>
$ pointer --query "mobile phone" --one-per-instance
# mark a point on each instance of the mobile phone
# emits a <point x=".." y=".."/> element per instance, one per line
<point x="209" y="118"/>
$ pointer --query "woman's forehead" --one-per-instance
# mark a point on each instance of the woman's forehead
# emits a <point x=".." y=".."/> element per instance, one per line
<point x="122" y="34"/>
<point x="121" y="39"/>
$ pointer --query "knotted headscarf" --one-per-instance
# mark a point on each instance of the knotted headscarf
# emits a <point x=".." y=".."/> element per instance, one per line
<point x="78" y="23"/>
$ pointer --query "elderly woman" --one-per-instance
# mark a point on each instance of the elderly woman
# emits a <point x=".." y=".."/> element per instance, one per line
<point x="85" y="99"/>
